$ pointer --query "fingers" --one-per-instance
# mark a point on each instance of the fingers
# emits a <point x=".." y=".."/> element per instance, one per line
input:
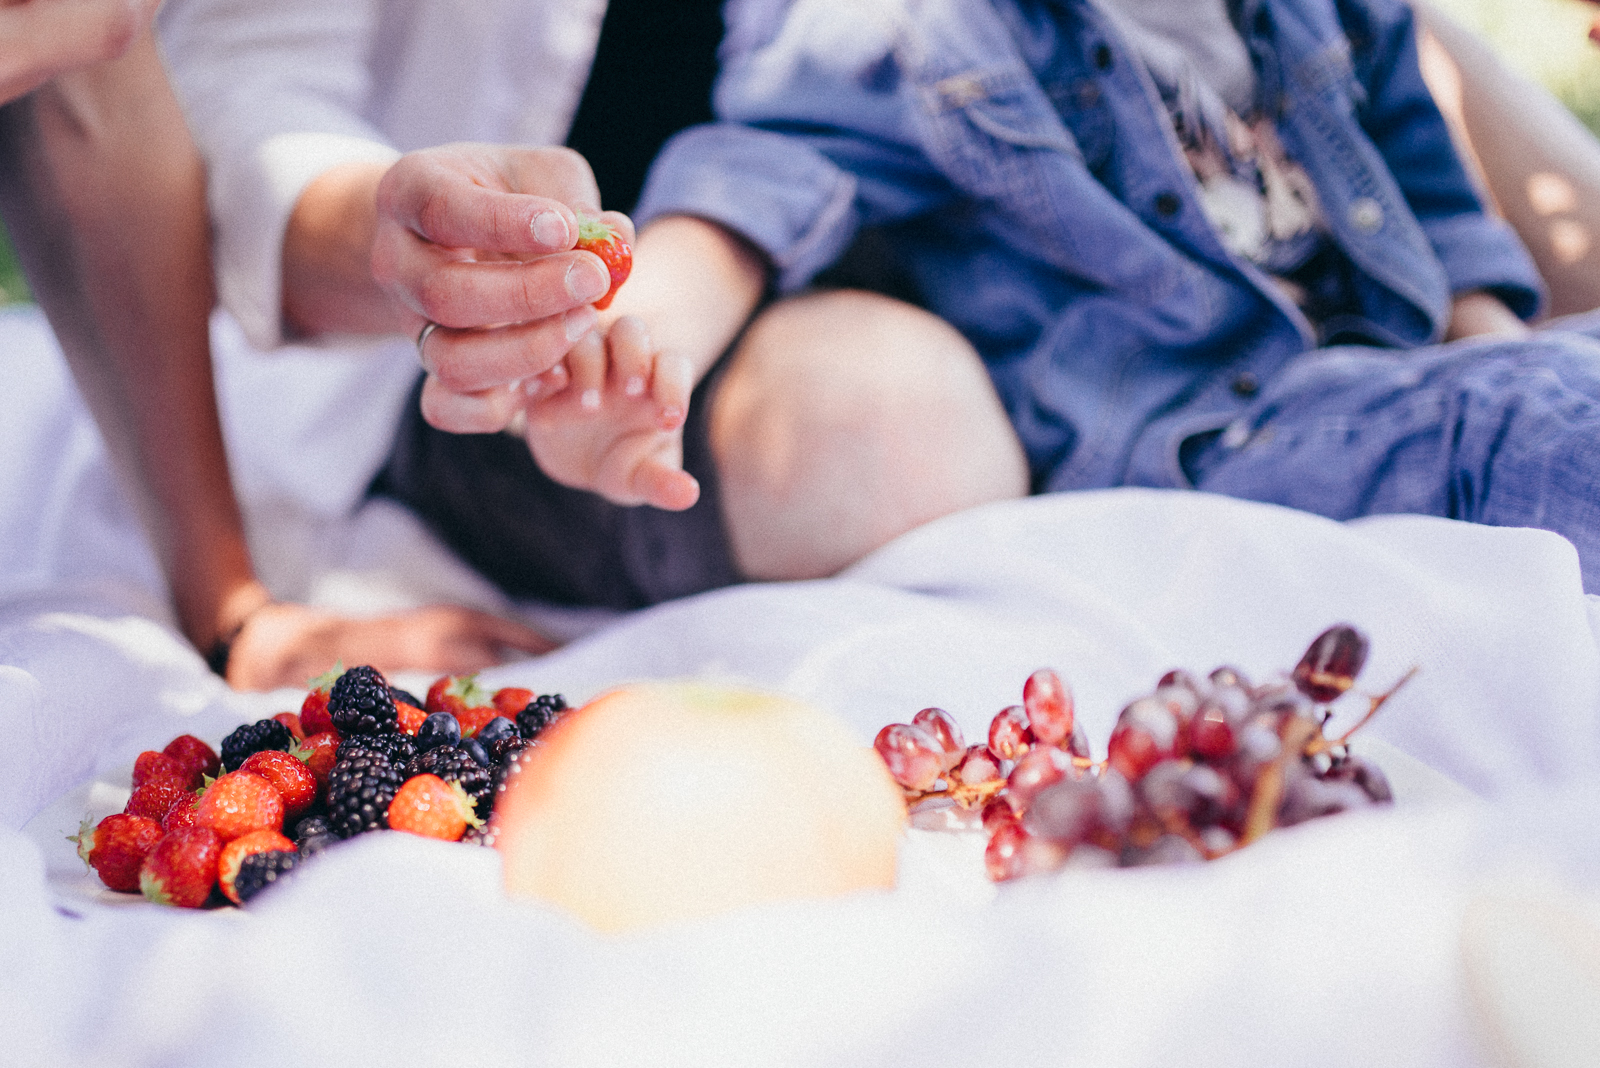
<point x="665" y="485"/>
<point x="467" y="361"/>
<point x="448" y="286"/>
<point x="631" y="358"/>
<point x="462" y="196"/>
<point x="483" y="412"/>
<point x="586" y="364"/>
<point x="292" y="643"/>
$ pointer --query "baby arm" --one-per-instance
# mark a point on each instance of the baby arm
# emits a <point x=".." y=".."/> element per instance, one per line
<point x="610" y="418"/>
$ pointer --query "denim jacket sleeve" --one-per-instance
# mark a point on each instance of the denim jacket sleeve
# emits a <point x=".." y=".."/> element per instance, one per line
<point x="812" y="145"/>
<point x="1476" y="248"/>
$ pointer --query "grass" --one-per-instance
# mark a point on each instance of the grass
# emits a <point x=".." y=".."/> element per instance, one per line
<point x="1544" y="39"/>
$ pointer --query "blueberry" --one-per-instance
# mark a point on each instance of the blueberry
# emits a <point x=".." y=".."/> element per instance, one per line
<point x="496" y="729"/>
<point x="474" y="749"/>
<point x="441" y="728"/>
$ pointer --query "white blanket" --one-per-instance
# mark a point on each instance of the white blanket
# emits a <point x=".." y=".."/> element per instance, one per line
<point x="1413" y="936"/>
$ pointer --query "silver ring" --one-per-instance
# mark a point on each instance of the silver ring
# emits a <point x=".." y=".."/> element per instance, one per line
<point x="422" y="339"/>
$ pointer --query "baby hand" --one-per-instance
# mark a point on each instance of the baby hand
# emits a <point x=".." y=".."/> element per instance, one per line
<point x="610" y="419"/>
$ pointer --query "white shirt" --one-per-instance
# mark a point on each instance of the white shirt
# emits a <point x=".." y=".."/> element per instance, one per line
<point x="279" y="91"/>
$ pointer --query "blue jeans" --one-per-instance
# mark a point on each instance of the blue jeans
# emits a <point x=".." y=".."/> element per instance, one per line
<point x="1500" y="432"/>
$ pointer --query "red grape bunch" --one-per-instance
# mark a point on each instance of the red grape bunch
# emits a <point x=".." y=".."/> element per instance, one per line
<point x="1194" y="769"/>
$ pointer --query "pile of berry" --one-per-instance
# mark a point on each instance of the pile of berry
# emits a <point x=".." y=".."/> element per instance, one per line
<point x="1194" y="769"/>
<point x="360" y="755"/>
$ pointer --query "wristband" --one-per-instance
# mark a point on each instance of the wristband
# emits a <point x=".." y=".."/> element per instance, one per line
<point x="222" y="649"/>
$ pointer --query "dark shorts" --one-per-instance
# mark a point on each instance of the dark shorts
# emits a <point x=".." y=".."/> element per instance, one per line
<point x="487" y="499"/>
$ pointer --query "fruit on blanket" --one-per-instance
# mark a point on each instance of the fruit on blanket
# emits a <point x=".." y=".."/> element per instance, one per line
<point x="151" y="764"/>
<point x="182" y="868"/>
<point x="408" y="717"/>
<point x="1194" y="769"/>
<point x="440" y="728"/>
<point x="360" y="788"/>
<point x="253" y="738"/>
<point x="314" y="718"/>
<point x="238" y="803"/>
<point x="599" y="238"/>
<point x="453" y="765"/>
<point x="291" y="720"/>
<point x="233" y="855"/>
<point x="426" y="805"/>
<point x="319" y="751"/>
<point x="260" y="870"/>
<point x="360" y="703"/>
<point x="155" y="797"/>
<point x="539" y="713"/>
<point x="294" y="781"/>
<point x="509" y="700"/>
<point x="116" y="847"/>
<point x="664" y="801"/>
<point x="460" y="695"/>
<point x="196" y="755"/>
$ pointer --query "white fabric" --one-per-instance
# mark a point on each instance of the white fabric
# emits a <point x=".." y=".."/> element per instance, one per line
<point x="1380" y="939"/>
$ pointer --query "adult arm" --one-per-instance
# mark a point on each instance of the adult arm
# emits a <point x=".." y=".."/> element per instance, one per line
<point x="42" y="39"/>
<point x="105" y="199"/>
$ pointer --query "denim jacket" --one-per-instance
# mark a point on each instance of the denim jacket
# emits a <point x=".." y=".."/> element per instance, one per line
<point x="1017" y="155"/>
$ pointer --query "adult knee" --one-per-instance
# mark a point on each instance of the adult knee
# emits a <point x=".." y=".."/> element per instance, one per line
<point x="846" y="419"/>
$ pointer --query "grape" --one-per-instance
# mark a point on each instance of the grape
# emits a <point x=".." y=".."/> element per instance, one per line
<point x="1012" y="853"/>
<point x="1210" y="732"/>
<point x="1306" y="797"/>
<point x="1331" y="663"/>
<point x="1146" y="732"/>
<point x="1009" y="732"/>
<point x="1364" y="774"/>
<point x="1048" y="704"/>
<point x="1168" y="849"/>
<point x="997" y="810"/>
<point x="914" y="756"/>
<point x="1227" y="675"/>
<point x="978" y="766"/>
<point x="1067" y="812"/>
<point x="940" y="724"/>
<point x="1078" y="743"/>
<point x="1039" y="767"/>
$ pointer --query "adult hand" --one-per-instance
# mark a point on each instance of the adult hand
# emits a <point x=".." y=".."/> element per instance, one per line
<point x="478" y="239"/>
<point x="287" y="644"/>
<point x="44" y="38"/>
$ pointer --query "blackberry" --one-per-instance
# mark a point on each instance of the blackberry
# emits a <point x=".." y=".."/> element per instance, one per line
<point x="360" y="703"/>
<point x="359" y="792"/>
<point x="539" y="714"/>
<point x="487" y="835"/>
<point x="502" y="748"/>
<point x="310" y="826"/>
<point x="253" y="738"/>
<point x="260" y="870"/>
<point x="453" y="765"/>
<point x="398" y="748"/>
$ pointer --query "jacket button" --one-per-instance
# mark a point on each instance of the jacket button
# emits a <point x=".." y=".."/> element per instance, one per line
<point x="1366" y="215"/>
<point x="1167" y="204"/>
<point x="1246" y="385"/>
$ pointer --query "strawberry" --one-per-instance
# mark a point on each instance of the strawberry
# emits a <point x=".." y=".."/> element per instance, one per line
<point x="314" y="718"/>
<point x="116" y="848"/>
<point x="155" y="797"/>
<point x="433" y="808"/>
<point x="463" y="698"/>
<point x="238" y="803"/>
<point x="599" y="238"/>
<point x="410" y="716"/>
<point x="183" y="813"/>
<point x="190" y="751"/>
<point x="319" y="752"/>
<point x="294" y="781"/>
<point x="182" y="868"/>
<point x="509" y="700"/>
<point x="151" y="764"/>
<point x="292" y="721"/>
<point x="234" y="852"/>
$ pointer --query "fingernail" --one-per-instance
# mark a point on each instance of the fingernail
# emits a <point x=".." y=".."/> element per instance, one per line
<point x="579" y="321"/>
<point x="634" y="386"/>
<point x="531" y="386"/>
<point x="587" y="281"/>
<point x="671" y="418"/>
<point x="590" y="400"/>
<point x="558" y="377"/>
<point x="549" y="228"/>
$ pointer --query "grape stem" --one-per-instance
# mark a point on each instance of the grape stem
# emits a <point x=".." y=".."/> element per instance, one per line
<point x="1377" y="702"/>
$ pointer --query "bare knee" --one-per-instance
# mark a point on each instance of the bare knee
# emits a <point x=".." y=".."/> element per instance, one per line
<point x="846" y="419"/>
